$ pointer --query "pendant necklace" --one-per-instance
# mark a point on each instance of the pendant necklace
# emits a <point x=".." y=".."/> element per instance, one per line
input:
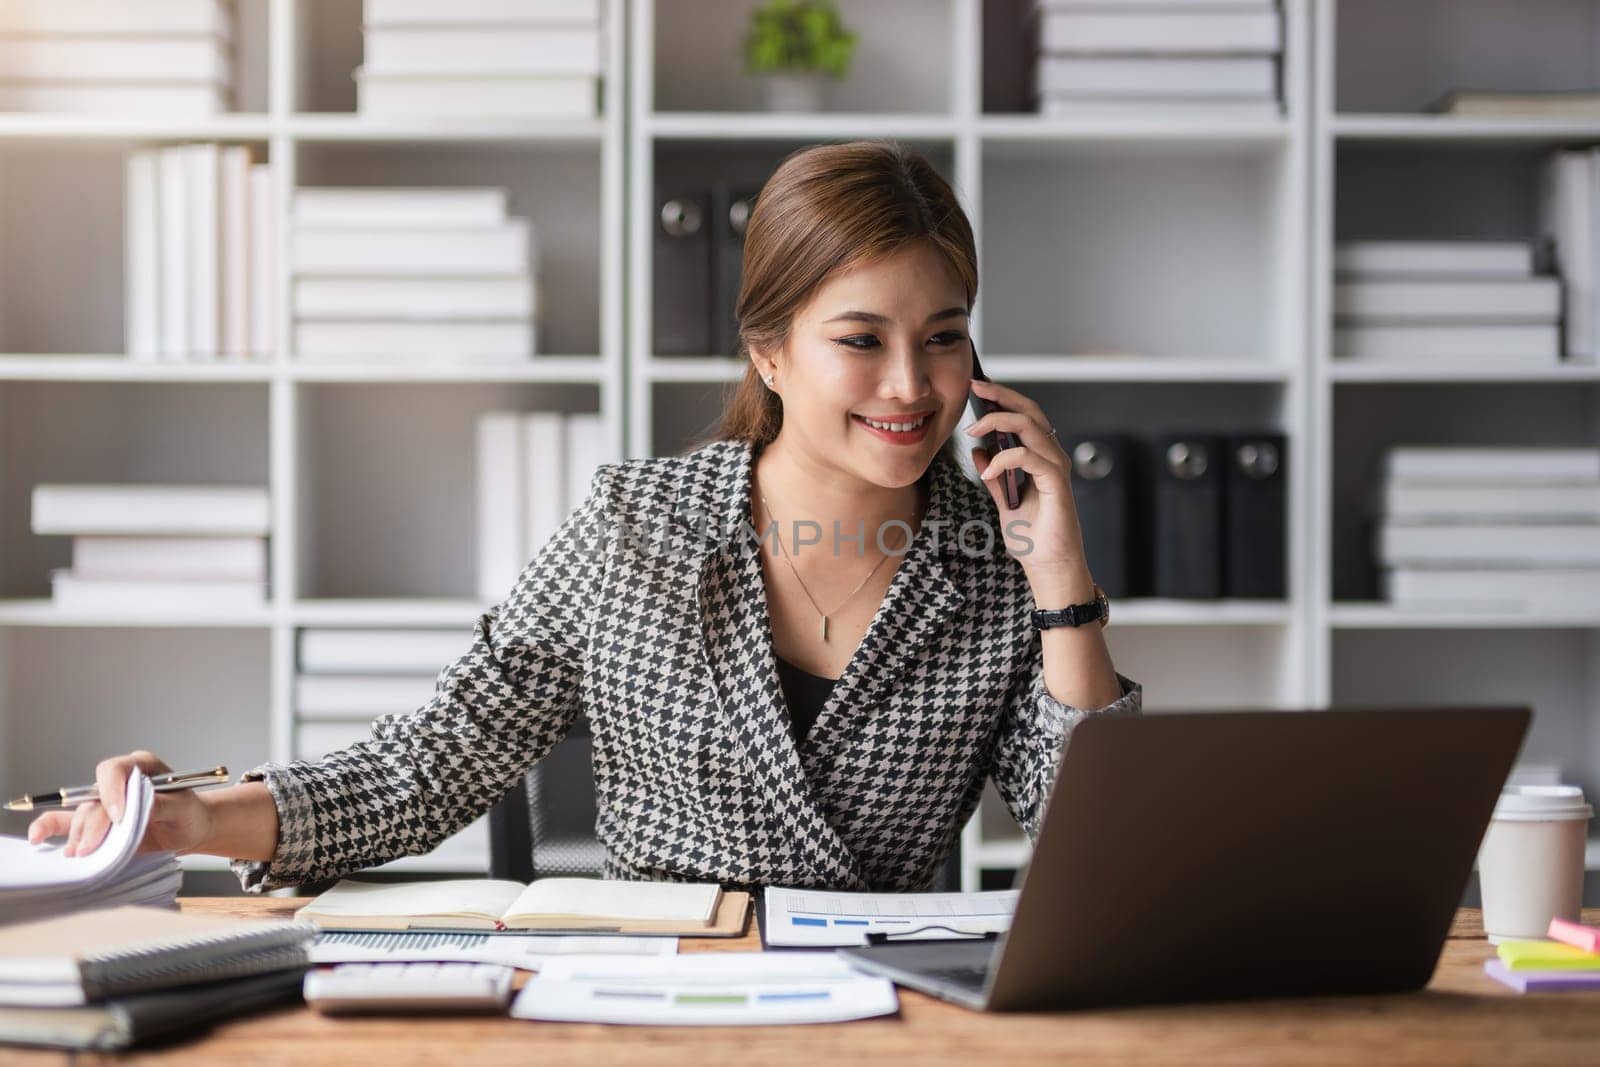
<point x="823" y="615"/>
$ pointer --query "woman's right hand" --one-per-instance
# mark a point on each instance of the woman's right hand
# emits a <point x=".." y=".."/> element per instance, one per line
<point x="179" y="820"/>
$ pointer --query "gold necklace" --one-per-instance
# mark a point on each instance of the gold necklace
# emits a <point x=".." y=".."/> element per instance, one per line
<point x="823" y="615"/>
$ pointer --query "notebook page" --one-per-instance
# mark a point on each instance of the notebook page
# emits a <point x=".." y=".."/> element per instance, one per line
<point x="594" y="898"/>
<point x="484" y="897"/>
<point x="25" y="868"/>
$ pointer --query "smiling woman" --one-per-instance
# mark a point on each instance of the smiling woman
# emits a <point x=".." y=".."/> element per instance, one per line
<point x="816" y="705"/>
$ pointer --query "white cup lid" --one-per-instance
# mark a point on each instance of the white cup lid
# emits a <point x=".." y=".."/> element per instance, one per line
<point x="1537" y="803"/>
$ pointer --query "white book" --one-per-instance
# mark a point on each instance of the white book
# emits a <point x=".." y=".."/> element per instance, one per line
<point x="479" y="96"/>
<point x="501" y="506"/>
<point x="381" y="651"/>
<point x="497" y="341"/>
<point x="407" y="299"/>
<point x="502" y="249"/>
<point x="1567" y="219"/>
<point x="405" y="208"/>
<point x="481" y="12"/>
<point x="1562" y="591"/>
<point x="118" y="17"/>
<point x="1521" y="300"/>
<point x="151" y="509"/>
<point x="408" y="52"/>
<point x="153" y="595"/>
<point x="142" y="256"/>
<point x="240" y="559"/>
<point x="169" y="100"/>
<point x="1138" y="76"/>
<point x="1438" y="259"/>
<point x="115" y="59"/>
<point x="544" y="472"/>
<point x="173" y="172"/>
<point x="1528" y="344"/>
<point x="263" y="263"/>
<point x="1505" y="545"/>
<point x="334" y="696"/>
<point x="1490" y="501"/>
<point x="588" y="448"/>
<point x="205" y="258"/>
<point x="234" y="289"/>
<point x="1513" y="464"/>
<point x="1258" y="31"/>
<point x="1063" y="107"/>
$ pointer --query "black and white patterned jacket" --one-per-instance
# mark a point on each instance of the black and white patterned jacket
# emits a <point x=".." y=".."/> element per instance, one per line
<point x="660" y="635"/>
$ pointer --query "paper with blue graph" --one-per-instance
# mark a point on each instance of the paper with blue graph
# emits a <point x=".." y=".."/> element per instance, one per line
<point x="810" y="918"/>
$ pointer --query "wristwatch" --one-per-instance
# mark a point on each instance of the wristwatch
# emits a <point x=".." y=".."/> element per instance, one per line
<point x="1076" y="614"/>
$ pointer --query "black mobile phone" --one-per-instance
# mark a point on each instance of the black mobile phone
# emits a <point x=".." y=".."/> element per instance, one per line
<point x="1012" y="482"/>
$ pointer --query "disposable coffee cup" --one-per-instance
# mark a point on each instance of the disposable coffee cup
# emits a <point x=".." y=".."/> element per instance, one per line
<point x="1531" y="861"/>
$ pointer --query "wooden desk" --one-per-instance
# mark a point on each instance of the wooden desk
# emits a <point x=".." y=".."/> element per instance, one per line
<point x="1461" y="1018"/>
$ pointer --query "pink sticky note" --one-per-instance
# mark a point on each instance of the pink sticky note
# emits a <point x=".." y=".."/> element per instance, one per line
<point x="1575" y="934"/>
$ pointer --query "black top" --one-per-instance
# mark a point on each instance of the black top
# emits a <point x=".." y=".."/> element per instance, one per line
<point x="805" y="693"/>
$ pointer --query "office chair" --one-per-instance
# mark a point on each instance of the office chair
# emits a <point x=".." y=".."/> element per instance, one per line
<point x="544" y="826"/>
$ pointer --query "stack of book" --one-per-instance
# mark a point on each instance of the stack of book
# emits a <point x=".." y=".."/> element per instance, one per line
<point x="1492" y="528"/>
<point x="1198" y="58"/>
<point x="482" y="58"/>
<point x="200" y="255"/>
<point x="534" y="470"/>
<point x="347" y="678"/>
<point x="1568" y="961"/>
<point x="412" y="276"/>
<point x="1569" y="231"/>
<point x="166" y="547"/>
<point x="1462" y="301"/>
<point x="174" y="57"/>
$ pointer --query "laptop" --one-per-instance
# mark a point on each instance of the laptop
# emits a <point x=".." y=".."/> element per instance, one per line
<point x="1225" y="855"/>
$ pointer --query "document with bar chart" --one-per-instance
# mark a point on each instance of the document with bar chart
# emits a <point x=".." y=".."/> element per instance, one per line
<point x="809" y="918"/>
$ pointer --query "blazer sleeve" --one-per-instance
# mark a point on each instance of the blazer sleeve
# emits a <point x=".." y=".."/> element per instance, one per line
<point x="495" y="711"/>
<point x="1035" y="727"/>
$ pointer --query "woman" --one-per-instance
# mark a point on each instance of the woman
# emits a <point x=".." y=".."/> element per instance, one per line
<point x="802" y="649"/>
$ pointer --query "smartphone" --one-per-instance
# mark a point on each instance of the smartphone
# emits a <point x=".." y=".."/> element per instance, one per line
<point x="1012" y="482"/>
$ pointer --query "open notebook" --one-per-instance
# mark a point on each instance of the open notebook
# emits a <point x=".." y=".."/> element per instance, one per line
<point x="581" y="904"/>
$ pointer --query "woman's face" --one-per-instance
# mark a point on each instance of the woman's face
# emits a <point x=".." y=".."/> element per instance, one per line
<point x="875" y="372"/>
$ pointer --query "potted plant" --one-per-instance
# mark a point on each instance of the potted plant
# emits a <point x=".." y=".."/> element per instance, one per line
<point x="795" y="45"/>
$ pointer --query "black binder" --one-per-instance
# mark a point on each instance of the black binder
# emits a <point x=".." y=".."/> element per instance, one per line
<point x="730" y="211"/>
<point x="682" y="274"/>
<point x="1101" y="480"/>
<point x="1255" y="544"/>
<point x="1187" y="528"/>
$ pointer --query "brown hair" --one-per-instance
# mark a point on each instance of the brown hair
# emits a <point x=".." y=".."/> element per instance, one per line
<point x="825" y="208"/>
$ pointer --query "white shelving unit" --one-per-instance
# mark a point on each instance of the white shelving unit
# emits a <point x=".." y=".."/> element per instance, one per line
<point x="1204" y="246"/>
<point x="370" y="468"/>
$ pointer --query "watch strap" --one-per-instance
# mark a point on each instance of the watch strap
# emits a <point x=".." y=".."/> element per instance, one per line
<point x="1073" y="614"/>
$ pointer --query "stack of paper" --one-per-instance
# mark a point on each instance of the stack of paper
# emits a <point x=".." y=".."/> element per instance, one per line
<point x="482" y="58"/>
<point x="1461" y="301"/>
<point x="412" y="275"/>
<point x="814" y="918"/>
<point x="1492" y="529"/>
<point x="174" y="57"/>
<point x="199" y="242"/>
<point x="1569" y="227"/>
<point x="534" y="470"/>
<point x="37" y="881"/>
<point x="1200" y="58"/>
<point x="347" y="678"/>
<point x="158" y="547"/>
<point x="705" y="989"/>
<point x="1568" y="961"/>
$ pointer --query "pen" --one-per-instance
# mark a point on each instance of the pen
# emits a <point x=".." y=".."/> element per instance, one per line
<point x="163" y="783"/>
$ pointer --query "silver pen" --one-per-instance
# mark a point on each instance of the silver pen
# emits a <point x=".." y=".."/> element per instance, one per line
<point x="68" y="796"/>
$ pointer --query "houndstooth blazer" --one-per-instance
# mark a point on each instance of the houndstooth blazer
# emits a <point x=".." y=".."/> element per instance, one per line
<point x="647" y="613"/>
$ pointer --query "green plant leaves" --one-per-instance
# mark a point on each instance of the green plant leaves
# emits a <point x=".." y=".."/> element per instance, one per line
<point x="798" y="36"/>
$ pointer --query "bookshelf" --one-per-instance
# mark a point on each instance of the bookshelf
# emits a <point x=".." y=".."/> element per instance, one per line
<point x="1203" y="244"/>
<point x="345" y="450"/>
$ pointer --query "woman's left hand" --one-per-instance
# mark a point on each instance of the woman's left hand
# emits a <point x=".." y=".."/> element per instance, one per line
<point x="1046" y="537"/>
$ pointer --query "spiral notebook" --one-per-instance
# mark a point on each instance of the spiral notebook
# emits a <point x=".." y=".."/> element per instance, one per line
<point x="93" y="955"/>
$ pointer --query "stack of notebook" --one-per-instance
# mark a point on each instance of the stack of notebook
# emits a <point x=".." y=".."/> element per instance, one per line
<point x="114" y="978"/>
<point x="1568" y="961"/>
<point x="39" y="880"/>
